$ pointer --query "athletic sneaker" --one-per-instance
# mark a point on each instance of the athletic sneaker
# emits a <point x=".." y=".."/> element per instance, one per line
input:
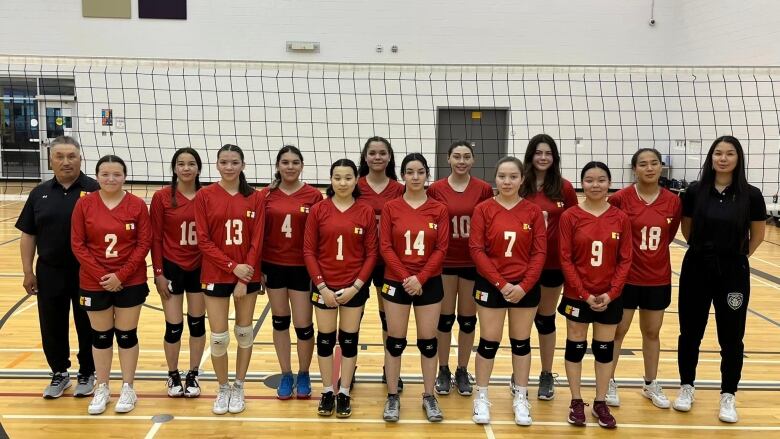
<point x="463" y="381"/>
<point x="481" y="410"/>
<point x="175" y="386"/>
<point x="601" y="411"/>
<point x="327" y="401"/>
<point x="222" y="401"/>
<point x="444" y="381"/>
<point x="392" y="410"/>
<point x="432" y="411"/>
<point x="400" y="381"/>
<point x="85" y="385"/>
<point x="546" y="386"/>
<point x="127" y="399"/>
<point x="612" y="399"/>
<point x="285" y="389"/>
<point x="522" y="409"/>
<point x="236" y="404"/>
<point x="577" y="412"/>
<point x="192" y="384"/>
<point x="655" y="393"/>
<point x="728" y="408"/>
<point x="303" y="386"/>
<point x="343" y="406"/>
<point x="59" y="382"/>
<point x="100" y="399"/>
<point x="685" y="398"/>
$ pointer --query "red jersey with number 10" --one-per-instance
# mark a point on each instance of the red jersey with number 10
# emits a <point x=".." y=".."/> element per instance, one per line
<point x="552" y="211"/>
<point x="285" y="224"/>
<point x="173" y="231"/>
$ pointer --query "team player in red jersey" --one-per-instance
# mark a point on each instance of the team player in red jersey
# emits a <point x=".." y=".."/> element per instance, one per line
<point x="110" y="237"/>
<point x="176" y="262"/>
<point x="460" y="192"/>
<point x="544" y="186"/>
<point x="340" y="249"/>
<point x="508" y="243"/>
<point x="229" y="223"/>
<point x="288" y="203"/>
<point x="655" y="215"/>
<point x="595" y="249"/>
<point x="414" y="233"/>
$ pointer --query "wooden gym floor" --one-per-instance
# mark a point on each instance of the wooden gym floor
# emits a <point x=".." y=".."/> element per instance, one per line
<point x="24" y="374"/>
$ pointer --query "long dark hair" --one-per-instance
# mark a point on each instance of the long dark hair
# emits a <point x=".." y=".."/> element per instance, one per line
<point x="350" y="164"/>
<point x="282" y="151"/>
<point x="243" y="186"/>
<point x="552" y="186"/>
<point x="389" y="170"/>
<point x="110" y="158"/>
<point x="175" y="178"/>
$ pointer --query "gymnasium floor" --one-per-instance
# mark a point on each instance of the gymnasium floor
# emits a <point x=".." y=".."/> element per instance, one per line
<point x="23" y="375"/>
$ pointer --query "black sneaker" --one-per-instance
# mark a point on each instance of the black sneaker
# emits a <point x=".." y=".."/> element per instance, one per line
<point x="444" y="381"/>
<point x="327" y="401"/>
<point x="175" y="386"/>
<point x="462" y="381"/>
<point x="192" y="384"/>
<point x="343" y="407"/>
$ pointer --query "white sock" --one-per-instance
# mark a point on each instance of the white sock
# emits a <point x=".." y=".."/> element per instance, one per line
<point x="238" y="383"/>
<point x="482" y="392"/>
<point x="327" y="389"/>
<point x="521" y="390"/>
<point x="344" y="390"/>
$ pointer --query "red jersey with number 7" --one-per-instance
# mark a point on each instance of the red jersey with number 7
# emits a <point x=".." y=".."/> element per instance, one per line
<point x="552" y="210"/>
<point x="285" y="224"/>
<point x="173" y="231"/>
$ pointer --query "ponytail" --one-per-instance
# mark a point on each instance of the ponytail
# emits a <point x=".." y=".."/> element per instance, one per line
<point x="243" y="186"/>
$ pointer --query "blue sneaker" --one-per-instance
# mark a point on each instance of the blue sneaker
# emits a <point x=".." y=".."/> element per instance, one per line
<point x="285" y="389"/>
<point x="303" y="386"/>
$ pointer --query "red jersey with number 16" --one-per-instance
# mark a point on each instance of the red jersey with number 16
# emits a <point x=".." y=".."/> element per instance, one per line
<point x="552" y="211"/>
<point x="173" y="231"/>
<point x="285" y="224"/>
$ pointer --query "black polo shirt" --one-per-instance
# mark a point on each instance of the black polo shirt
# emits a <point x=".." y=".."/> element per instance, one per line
<point x="46" y="214"/>
<point x="719" y="233"/>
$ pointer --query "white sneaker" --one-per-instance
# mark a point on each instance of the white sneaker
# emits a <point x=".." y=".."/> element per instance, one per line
<point x="481" y="410"/>
<point x="127" y="399"/>
<point x="236" y="399"/>
<point x="685" y="398"/>
<point x="612" y="399"/>
<point x="522" y="409"/>
<point x="728" y="408"/>
<point x="100" y="399"/>
<point x="222" y="401"/>
<point x="654" y="392"/>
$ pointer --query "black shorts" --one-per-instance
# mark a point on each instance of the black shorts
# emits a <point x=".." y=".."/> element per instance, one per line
<point x="378" y="276"/>
<point x="579" y="311"/>
<point x="551" y="278"/>
<point x="468" y="273"/>
<point x="127" y="297"/>
<point x="292" y="277"/>
<point x="226" y="290"/>
<point x="181" y="280"/>
<point x="652" y="298"/>
<point x="487" y="295"/>
<point x="432" y="292"/>
<point x="359" y="299"/>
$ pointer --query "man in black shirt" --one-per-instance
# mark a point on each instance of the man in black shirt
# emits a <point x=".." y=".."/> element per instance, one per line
<point x="45" y="226"/>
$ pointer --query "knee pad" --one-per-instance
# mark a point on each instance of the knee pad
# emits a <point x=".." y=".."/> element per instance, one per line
<point x="306" y="333"/>
<point x="103" y="339"/>
<point x="126" y="339"/>
<point x="219" y="343"/>
<point x="520" y="347"/>
<point x="349" y="344"/>
<point x="383" y="320"/>
<point x="197" y="325"/>
<point x="173" y="332"/>
<point x="575" y="350"/>
<point x="428" y="346"/>
<point x="326" y="341"/>
<point x="545" y="324"/>
<point x="445" y="322"/>
<point x="280" y="323"/>
<point x="395" y="346"/>
<point x="244" y="336"/>
<point x="467" y="324"/>
<point x="603" y="350"/>
<point x="487" y="348"/>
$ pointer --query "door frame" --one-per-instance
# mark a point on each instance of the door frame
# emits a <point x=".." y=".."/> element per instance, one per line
<point x="68" y="105"/>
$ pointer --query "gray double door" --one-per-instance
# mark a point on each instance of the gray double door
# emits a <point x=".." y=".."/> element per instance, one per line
<point x="485" y="128"/>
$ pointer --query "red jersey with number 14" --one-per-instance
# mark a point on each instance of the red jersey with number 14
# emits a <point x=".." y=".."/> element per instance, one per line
<point x="173" y="231"/>
<point x="285" y="224"/>
<point x="552" y="211"/>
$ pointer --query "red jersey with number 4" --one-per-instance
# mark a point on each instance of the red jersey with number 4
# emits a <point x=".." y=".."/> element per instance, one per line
<point x="230" y="232"/>
<point x="552" y="211"/>
<point x="653" y="227"/>
<point x="595" y="252"/>
<point x="377" y="200"/>
<point x="412" y="241"/>
<point x="285" y="224"/>
<point x="508" y="245"/>
<point x="460" y="206"/>
<point x="110" y="241"/>
<point x="173" y="231"/>
<point x="340" y="247"/>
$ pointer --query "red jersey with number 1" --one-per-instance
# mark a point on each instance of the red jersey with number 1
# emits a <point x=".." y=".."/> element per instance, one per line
<point x="173" y="231"/>
<point x="552" y="211"/>
<point x="285" y="224"/>
<point x="460" y="206"/>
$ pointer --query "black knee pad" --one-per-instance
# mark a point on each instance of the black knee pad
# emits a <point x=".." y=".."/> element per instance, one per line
<point x="127" y="339"/>
<point x="197" y="325"/>
<point x="395" y="346"/>
<point x="349" y="344"/>
<point x="467" y="324"/>
<point x="383" y="320"/>
<point x="305" y="333"/>
<point x="445" y="322"/>
<point x="487" y="348"/>
<point x="280" y="323"/>
<point x="603" y="350"/>
<point x="173" y="332"/>
<point x="575" y="350"/>
<point x="326" y="341"/>
<point x="520" y="347"/>
<point x="544" y="324"/>
<point x="428" y="346"/>
<point x="103" y="339"/>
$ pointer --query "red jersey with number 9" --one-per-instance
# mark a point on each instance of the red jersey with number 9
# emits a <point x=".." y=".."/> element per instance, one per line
<point x="173" y="231"/>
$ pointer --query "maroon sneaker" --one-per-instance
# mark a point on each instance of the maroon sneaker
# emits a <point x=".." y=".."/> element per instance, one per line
<point x="601" y="411"/>
<point x="577" y="412"/>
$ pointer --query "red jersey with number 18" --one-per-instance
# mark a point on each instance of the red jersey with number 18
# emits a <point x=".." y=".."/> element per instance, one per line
<point x="173" y="231"/>
<point x="285" y="224"/>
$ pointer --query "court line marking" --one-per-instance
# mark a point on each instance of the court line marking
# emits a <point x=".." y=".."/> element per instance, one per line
<point x="24" y="308"/>
<point x="153" y="431"/>
<point x="13" y="308"/>
<point x="489" y="432"/>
